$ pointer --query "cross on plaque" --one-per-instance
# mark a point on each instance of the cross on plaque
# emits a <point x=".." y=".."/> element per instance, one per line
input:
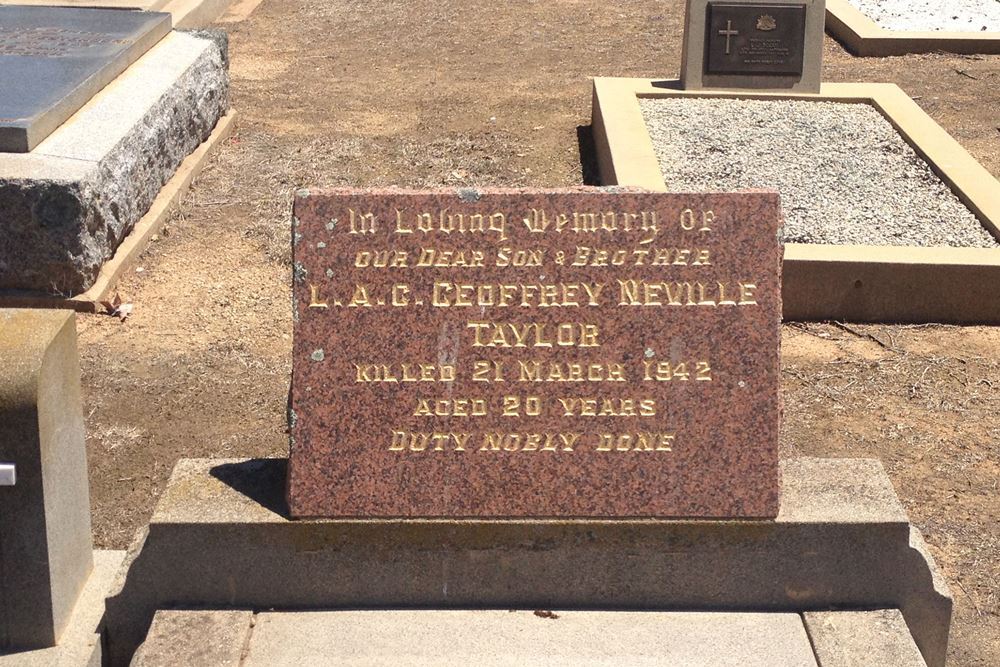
<point x="729" y="33"/>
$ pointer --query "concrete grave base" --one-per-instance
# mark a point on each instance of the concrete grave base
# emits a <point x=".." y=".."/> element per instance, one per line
<point x="80" y="643"/>
<point x="221" y="538"/>
<point x="863" y="37"/>
<point x="840" y="282"/>
<point x="71" y="202"/>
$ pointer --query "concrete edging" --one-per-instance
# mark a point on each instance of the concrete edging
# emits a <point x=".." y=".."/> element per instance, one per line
<point x="856" y="283"/>
<point x="863" y="37"/>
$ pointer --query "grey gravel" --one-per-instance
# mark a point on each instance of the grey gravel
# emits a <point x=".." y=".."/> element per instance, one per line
<point x="845" y="175"/>
<point x="933" y="15"/>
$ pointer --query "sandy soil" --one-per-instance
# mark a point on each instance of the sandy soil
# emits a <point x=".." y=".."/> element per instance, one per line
<point x="423" y="93"/>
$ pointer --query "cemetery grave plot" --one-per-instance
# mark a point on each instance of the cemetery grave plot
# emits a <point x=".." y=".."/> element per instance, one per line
<point x="895" y="27"/>
<point x="200" y="369"/>
<point x="880" y="203"/>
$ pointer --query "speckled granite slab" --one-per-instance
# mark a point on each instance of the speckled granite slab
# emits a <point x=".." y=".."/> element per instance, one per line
<point x="567" y="353"/>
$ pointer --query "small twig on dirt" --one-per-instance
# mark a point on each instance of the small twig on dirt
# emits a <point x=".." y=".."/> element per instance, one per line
<point x="913" y="387"/>
<point x="862" y="334"/>
<point x="964" y="73"/>
<point x="804" y="328"/>
<point x="979" y="611"/>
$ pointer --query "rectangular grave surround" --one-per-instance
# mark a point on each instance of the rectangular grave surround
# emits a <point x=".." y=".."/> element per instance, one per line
<point x="54" y="59"/>
<point x="631" y="370"/>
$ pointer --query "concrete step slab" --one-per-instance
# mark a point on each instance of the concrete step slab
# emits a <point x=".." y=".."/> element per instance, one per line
<point x="862" y="638"/>
<point x="486" y="638"/>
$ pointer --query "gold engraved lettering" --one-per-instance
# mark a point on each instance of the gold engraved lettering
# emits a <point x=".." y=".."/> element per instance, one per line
<point x="513" y="406"/>
<point x="314" y="298"/>
<point x="361" y="223"/>
<point x="400" y="227"/>
<point x="404" y="373"/>
<point x="609" y="222"/>
<point x="512" y="257"/>
<point x="530" y="295"/>
<point x="487" y="371"/>
<point x="689" y="220"/>
<point x="642" y="441"/>
<point x="450" y="407"/>
<point x="666" y="371"/>
<point x="555" y="371"/>
<point x="608" y="407"/>
<point x="400" y="295"/>
<point x="707" y="218"/>
<point x="653" y="256"/>
<point x="452" y="223"/>
<point x="642" y="293"/>
<point x="381" y="259"/>
<point x="428" y="441"/>
<point x="533" y="334"/>
<point x="528" y="442"/>
<point x="464" y="259"/>
<point x="361" y="298"/>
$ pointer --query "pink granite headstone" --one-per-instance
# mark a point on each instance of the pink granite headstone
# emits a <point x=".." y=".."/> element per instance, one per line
<point x="528" y="353"/>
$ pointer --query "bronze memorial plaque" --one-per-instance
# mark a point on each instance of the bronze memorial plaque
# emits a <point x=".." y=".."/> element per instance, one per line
<point x="755" y="39"/>
<point x="524" y="353"/>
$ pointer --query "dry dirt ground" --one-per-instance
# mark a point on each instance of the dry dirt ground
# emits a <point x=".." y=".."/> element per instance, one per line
<point x="449" y="92"/>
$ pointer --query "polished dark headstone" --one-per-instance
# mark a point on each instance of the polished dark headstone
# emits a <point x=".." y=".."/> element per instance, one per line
<point x="54" y="59"/>
<point x="755" y="39"/>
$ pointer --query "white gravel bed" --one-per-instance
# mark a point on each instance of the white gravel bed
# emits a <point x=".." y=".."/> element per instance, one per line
<point x="932" y="15"/>
<point x="845" y="175"/>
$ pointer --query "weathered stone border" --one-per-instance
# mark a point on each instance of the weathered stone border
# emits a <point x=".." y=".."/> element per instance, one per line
<point x="856" y="283"/>
<point x="863" y="37"/>
<point x="151" y="223"/>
